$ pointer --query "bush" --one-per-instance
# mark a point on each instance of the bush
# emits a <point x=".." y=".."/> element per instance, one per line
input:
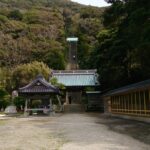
<point x="19" y="102"/>
<point x="3" y="19"/>
<point x="16" y="14"/>
<point x="23" y="74"/>
<point x="31" y="17"/>
<point x="4" y="98"/>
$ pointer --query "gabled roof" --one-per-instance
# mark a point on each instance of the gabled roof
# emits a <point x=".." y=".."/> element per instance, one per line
<point x="39" y="85"/>
<point x="72" y="39"/>
<point x="76" y="78"/>
<point x="131" y="87"/>
<point x="93" y="92"/>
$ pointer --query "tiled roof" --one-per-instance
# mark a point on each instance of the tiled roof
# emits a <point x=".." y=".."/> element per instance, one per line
<point x="131" y="87"/>
<point x="72" y="39"/>
<point x="77" y="77"/>
<point x="39" y="85"/>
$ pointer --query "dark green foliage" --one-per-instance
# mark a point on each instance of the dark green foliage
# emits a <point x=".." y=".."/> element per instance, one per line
<point x="4" y="98"/>
<point x="36" y="30"/>
<point x="55" y="60"/>
<point x="23" y="74"/>
<point x="19" y="102"/>
<point x="3" y="19"/>
<point x="54" y="82"/>
<point x="122" y="55"/>
<point x="16" y="15"/>
<point x="3" y="93"/>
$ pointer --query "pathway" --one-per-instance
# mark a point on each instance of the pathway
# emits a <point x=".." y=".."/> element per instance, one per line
<point x="73" y="132"/>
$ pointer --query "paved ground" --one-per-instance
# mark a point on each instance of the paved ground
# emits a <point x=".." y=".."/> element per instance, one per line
<point x="73" y="132"/>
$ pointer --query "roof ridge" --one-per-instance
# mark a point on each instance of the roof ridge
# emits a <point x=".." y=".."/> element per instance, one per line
<point x="129" y="87"/>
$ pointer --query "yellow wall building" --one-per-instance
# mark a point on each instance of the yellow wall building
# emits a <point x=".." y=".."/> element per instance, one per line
<point x="132" y="100"/>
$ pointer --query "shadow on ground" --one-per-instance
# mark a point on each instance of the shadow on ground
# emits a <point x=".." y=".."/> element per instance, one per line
<point x="135" y="129"/>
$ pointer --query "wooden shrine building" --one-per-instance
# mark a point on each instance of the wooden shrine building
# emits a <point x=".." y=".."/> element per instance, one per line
<point x="131" y="100"/>
<point x="41" y="90"/>
<point x="76" y="82"/>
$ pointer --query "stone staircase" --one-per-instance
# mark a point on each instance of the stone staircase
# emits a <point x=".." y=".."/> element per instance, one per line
<point x="73" y="108"/>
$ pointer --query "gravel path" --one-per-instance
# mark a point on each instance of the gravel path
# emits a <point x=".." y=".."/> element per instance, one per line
<point x="73" y="132"/>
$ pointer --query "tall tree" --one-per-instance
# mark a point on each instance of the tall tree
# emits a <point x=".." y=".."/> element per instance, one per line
<point x="122" y="56"/>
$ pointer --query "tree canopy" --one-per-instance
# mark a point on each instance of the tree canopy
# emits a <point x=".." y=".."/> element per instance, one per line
<point x="37" y="31"/>
<point x="115" y="40"/>
<point x="122" y="54"/>
<point x="23" y="74"/>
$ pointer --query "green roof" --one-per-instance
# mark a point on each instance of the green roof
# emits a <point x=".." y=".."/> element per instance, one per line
<point x="77" y="77"/>
<point x="72" y="39"/>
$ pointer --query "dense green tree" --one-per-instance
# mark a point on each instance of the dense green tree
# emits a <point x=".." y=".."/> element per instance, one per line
<point x="122" y="55"/>
<point x="4" y="98"/>
<point x="23" y="74"/>
<point x="16" y="14"/>
<point x="19" y="102"/>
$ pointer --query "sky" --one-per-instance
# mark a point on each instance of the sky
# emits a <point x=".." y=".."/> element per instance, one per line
<point x="98" y="3"/>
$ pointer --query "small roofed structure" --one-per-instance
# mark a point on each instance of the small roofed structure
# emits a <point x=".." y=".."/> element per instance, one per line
<point x="72" y="39"/>
<point x="39" y="89"/>
<point x="72" y="55"/>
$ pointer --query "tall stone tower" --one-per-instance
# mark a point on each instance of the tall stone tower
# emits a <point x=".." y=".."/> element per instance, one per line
<point x="72" y="56"/>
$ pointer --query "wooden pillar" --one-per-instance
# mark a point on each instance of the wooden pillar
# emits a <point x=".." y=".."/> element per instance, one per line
<point x="50" y="105"/>
<point x="26" y="107"/>
<point x="148" y="99"/>
<point x="110" y="104"/>
<point x="135" y="101"/>
<point x="121" y="107"/>
<point x="124" y="103"/>
<point x="60" y="105"/>
<point x="80" y="96"/>
<point x="131" y="99"/>
<point x="144" y="92"/>
<point x="116" y="103"/>
<point x="119" y="104"/>
<point x="128" y="100"/>
<point x="67" y="98"/>
<point x="148" y="107"/>
<point x="124" y="99"/>
<point x="140" y="107"/>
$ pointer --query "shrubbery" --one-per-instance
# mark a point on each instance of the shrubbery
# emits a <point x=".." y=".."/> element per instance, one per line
<point x="23" y="74"/>
<point x="16" y="15"/>
<point x="5" y="99"/>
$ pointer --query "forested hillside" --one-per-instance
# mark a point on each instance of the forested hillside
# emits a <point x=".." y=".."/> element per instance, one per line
<point x="37" y="29"/>
<point x="115" y="40"/>
<point x="33" y="39"/>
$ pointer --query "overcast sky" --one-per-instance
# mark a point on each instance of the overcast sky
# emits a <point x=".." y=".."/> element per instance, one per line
<point x="99" y="3"/>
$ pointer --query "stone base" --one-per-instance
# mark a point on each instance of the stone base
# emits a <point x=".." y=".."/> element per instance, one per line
<point x="10" y="110"/>
<point x="73" y="108"/>
<point x="136" y="118"/>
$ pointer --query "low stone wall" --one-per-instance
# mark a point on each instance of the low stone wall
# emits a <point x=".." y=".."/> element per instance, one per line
<point x="143" y="119"/>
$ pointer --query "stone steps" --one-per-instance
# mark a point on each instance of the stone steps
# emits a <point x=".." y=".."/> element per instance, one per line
<point x="73" y="108"/>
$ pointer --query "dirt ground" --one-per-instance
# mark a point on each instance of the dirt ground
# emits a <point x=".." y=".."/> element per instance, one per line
<point x="82" y="131"/>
